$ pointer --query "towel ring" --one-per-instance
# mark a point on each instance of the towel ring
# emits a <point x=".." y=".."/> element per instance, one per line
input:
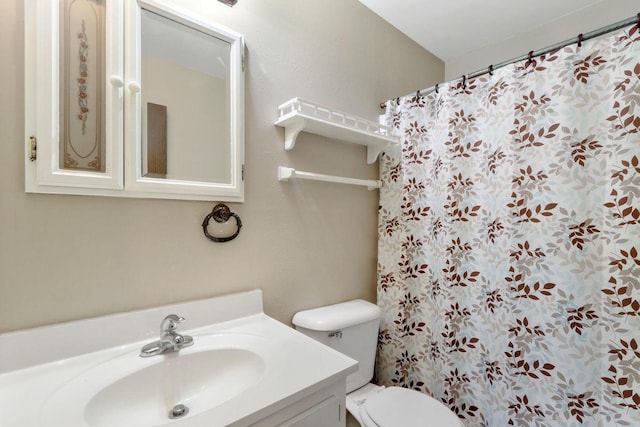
<point x="221" y="214"/>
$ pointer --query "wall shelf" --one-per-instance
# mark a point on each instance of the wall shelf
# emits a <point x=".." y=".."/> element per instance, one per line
<point x="298" y="115"/>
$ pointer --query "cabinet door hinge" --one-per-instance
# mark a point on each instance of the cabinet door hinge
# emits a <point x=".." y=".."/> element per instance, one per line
<point x="243" y="171"/>
<point x="33" y="148"/>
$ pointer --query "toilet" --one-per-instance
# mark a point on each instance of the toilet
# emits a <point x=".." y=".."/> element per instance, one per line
<point x="352" y="329"/>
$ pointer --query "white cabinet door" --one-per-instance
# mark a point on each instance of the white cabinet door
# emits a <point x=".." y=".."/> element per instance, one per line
<point x="324" y="408"/>
<point x="171" y="60"/>
<point x="324" y="414"/>
<point x="73" y="95"/>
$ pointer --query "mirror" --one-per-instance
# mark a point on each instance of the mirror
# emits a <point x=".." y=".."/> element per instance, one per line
<point x="189" y="107"/>
<point x="185" y="102"/>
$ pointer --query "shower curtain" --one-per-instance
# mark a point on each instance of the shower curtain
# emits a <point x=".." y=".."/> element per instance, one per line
<point x="509" y="241"/>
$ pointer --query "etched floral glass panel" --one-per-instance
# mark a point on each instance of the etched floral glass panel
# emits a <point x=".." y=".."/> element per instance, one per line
<point x="82" y="85"/>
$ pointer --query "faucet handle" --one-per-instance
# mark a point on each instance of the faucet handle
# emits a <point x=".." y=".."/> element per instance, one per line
<point x="170" y="323"/>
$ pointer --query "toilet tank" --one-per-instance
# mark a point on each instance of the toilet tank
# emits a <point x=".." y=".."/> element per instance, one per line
<point x="350" y="328"/>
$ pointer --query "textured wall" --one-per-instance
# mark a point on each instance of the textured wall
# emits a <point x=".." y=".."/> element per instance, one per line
<point x="305" y="244"/>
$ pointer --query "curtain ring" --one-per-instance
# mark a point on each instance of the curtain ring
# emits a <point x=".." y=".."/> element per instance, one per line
<point x="397" y="101"/>
<point x="490" y="70"/>
<point x="417" y="94"/>
<point x="464" y="81"/>
<point x="437" y="86"/>
<point x="530" y="60"/>
<point x="580" y="39"/>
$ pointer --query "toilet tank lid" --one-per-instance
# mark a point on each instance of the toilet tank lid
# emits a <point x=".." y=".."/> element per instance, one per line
<point x="337" y="316"/>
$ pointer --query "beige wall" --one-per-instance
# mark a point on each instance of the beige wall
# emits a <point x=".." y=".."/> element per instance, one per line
<point x="305" y="244"/>
<point x="565" y="27"/>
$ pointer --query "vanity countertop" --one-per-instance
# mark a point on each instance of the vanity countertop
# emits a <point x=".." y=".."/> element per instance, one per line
<point x="48" y="375"/>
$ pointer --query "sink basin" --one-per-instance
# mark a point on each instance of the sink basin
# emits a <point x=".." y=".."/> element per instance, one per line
<point x="132" y="391"/>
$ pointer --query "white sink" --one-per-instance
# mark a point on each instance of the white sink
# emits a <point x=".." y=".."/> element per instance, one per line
<point x="135" y="391"/>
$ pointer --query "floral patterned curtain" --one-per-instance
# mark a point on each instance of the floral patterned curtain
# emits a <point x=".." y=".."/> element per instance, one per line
<point x="509" y="241"/>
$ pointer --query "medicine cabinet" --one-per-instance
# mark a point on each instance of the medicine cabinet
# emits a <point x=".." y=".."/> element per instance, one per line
<point x="132" y="99"/>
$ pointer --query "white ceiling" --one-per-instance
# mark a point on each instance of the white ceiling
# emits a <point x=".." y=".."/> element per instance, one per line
<point x="452" y="28"/>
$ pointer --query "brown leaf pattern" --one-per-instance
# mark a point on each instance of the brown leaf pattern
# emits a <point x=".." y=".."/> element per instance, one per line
<point x="509" y="241"/>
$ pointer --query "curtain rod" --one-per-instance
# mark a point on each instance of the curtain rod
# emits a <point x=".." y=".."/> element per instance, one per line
<point x="532" y="54"/>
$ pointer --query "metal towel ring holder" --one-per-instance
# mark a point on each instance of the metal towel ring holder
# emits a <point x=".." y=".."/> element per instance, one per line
<point x="221" y="214"/>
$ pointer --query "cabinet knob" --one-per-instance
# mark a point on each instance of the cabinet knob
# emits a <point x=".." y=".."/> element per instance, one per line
<point x="116" y="81"/>
<point x="134" y="87"/>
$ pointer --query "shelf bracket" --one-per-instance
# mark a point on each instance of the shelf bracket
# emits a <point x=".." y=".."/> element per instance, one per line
<point x="290" y="135"/>
<point x="373" y="151"/>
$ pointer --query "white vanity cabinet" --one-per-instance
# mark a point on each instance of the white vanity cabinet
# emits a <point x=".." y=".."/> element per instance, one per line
<point x="132" y="98"/>
<point x="325" y="408"/>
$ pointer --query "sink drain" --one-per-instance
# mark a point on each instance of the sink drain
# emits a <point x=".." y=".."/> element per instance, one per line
<point x="178" y="411"/>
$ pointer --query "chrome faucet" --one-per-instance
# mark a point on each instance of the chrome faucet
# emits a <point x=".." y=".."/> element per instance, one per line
<point x="170" y="341"/>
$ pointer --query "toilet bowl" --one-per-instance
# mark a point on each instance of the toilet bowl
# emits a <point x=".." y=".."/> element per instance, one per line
<point x="352" y="329"/>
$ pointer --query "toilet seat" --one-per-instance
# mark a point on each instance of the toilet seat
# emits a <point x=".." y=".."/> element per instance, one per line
<point x="401" y="407"/>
